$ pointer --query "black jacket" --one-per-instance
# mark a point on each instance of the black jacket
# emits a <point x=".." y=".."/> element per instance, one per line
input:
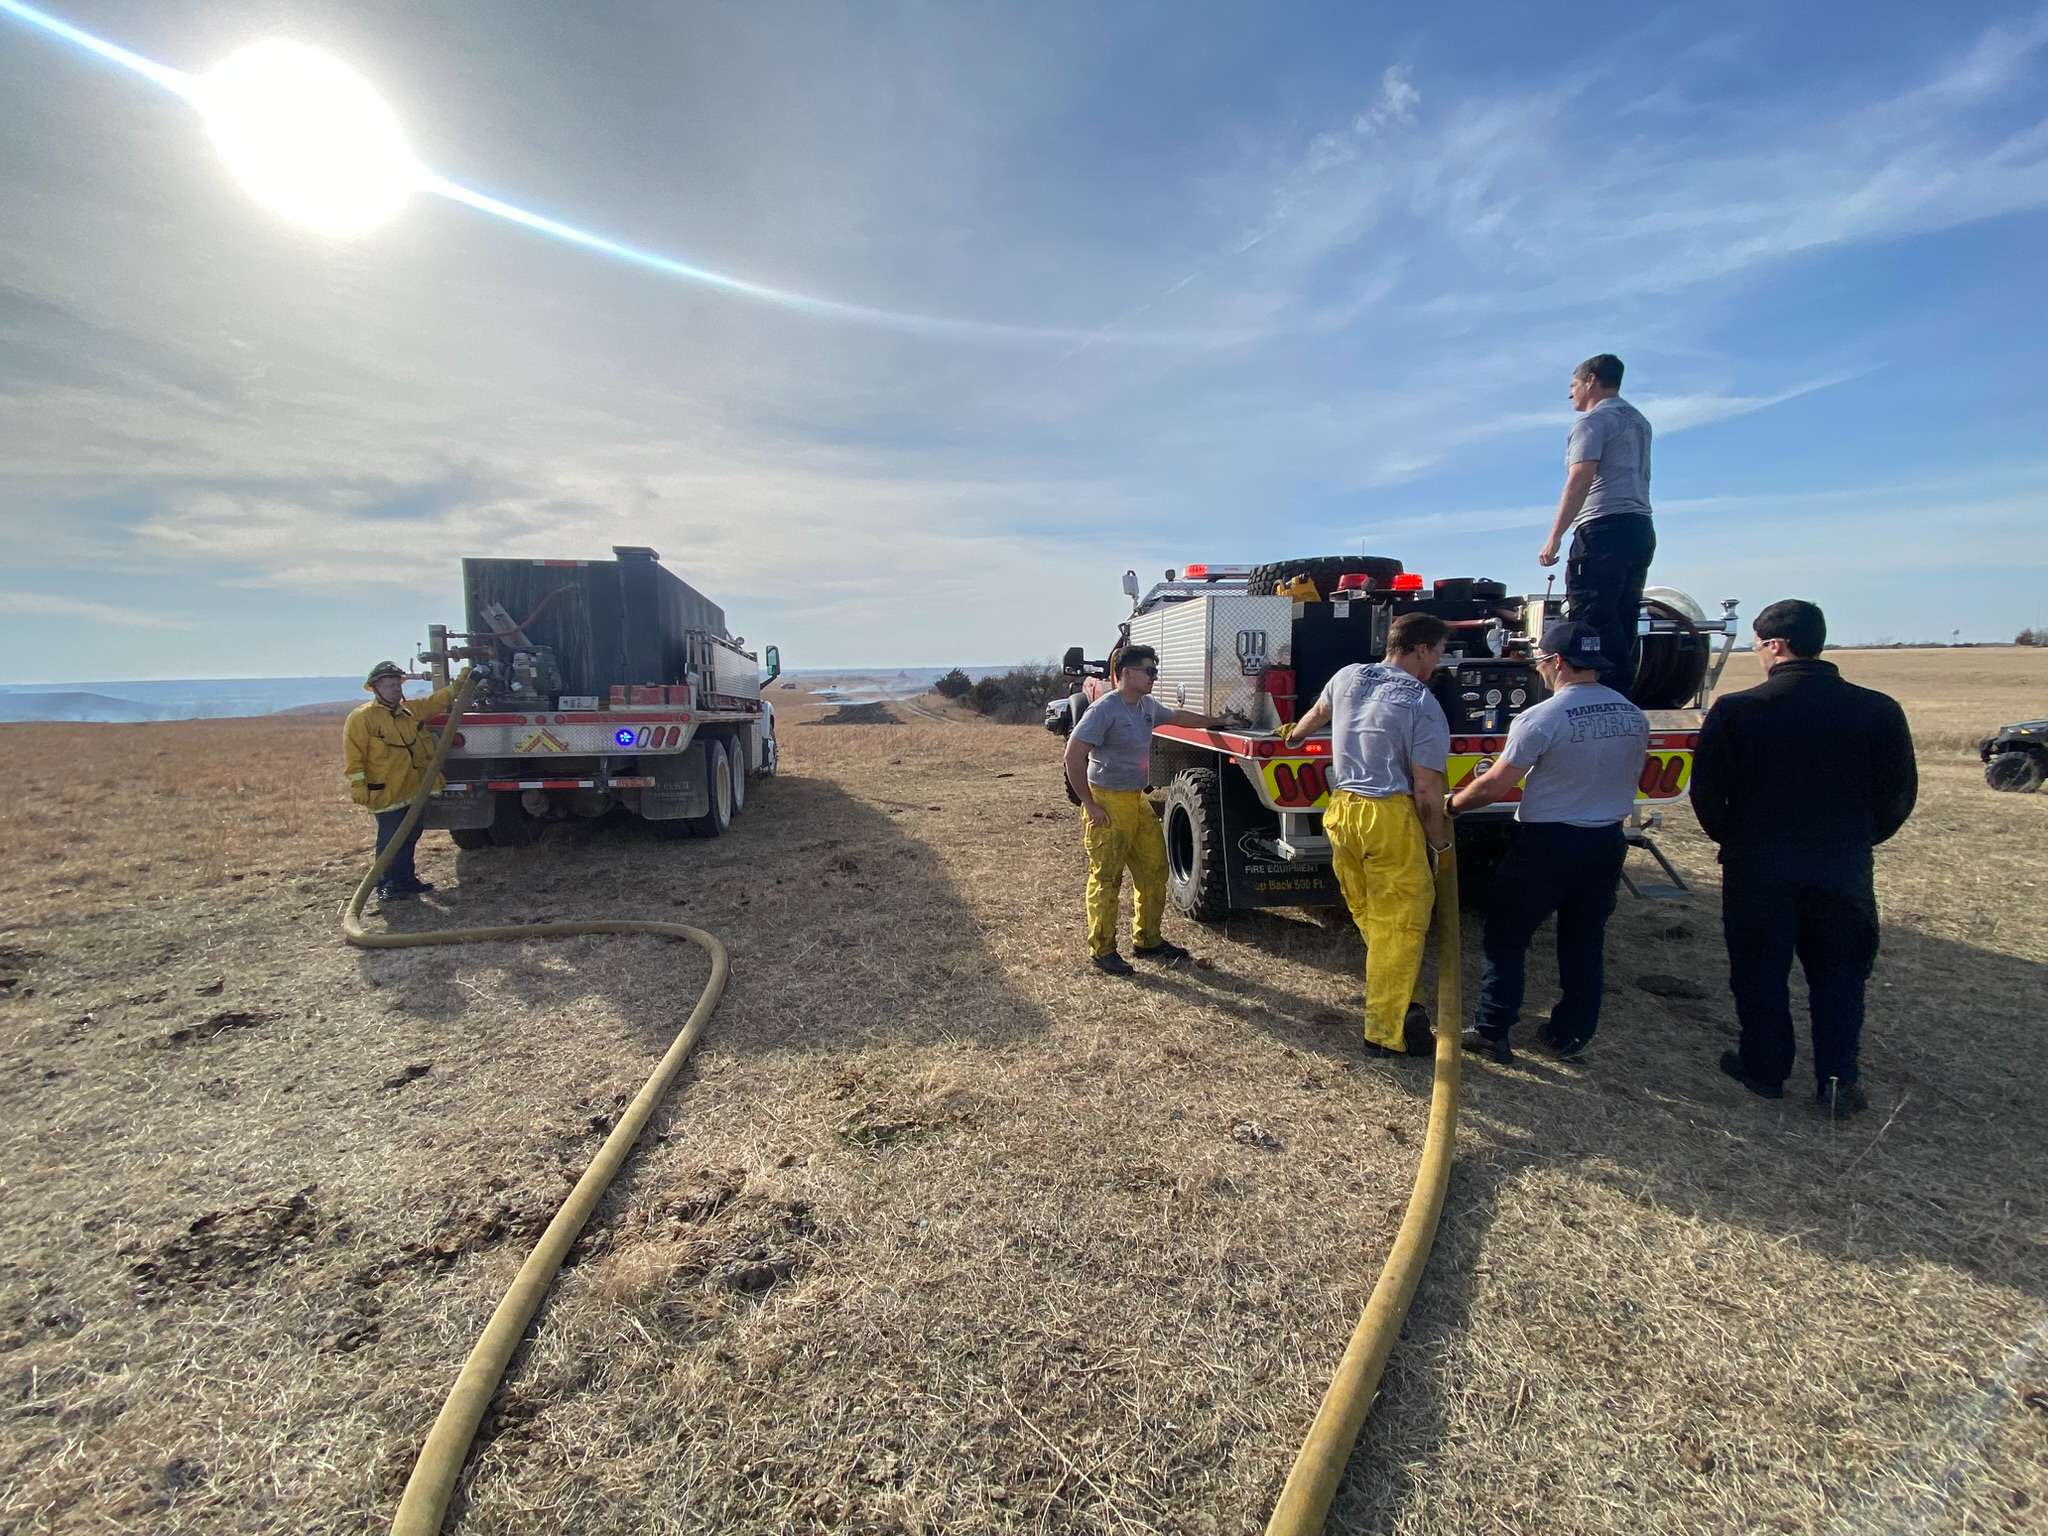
<point x="1804" y="765"/>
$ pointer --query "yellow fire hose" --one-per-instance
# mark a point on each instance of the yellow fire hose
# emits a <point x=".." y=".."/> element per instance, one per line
<point x="1305" y="1501"/>
<point x="432" y="1484"/>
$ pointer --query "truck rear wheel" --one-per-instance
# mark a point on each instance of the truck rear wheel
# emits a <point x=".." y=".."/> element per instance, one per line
<point x="512" y="825"/>
<point x="1196" y="882"/>
<point x="1323" y="570"/>
<point x="714" y="821"/>
<point x="2017" y="773"/>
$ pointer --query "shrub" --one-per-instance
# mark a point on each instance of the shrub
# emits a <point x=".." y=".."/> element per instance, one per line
<point x="1020" y="695"/>
<point x="954" y="685"/>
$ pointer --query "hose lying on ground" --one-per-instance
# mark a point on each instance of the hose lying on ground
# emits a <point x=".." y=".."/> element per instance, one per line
<point x="432" y="1484"/>
<point x="1318" y="1468"/>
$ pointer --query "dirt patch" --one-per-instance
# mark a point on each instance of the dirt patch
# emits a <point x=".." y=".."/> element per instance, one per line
<point x="505" y="1216"/>
<point x="211" y="1029"/>
<point x="225" y="1249"/>
<point x="858" y="714"/>
<point x="1678" y="988"/>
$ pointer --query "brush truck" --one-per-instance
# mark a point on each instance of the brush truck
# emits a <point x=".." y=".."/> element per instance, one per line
<point x="1253" y="646"/>
<point x="601" y="686"/>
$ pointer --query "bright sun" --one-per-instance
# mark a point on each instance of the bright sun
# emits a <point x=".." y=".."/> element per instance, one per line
<point x="307" y="136"/>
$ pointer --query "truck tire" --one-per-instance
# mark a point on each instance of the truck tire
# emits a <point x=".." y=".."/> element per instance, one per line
<point x="736" y="753"/>
<point x="471" y="837"/>
<point x="1323" y="570"/>
<point x="1196" y="881"/>
<point x="512" y="825"/>
<point x="715" y="821"/>
<point x="2018" y="772"/>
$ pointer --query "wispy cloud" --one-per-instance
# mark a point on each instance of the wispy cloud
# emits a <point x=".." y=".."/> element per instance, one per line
<point x="47" y="605"/>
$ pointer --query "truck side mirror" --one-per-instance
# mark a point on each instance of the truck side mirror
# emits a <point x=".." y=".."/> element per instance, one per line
<point x="774" y="662"/>
<point x="1131" y="585"/>
<point x="1073" y="661"/>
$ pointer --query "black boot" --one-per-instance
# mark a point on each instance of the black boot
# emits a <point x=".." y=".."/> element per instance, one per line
<point x="1731" y="1063"/>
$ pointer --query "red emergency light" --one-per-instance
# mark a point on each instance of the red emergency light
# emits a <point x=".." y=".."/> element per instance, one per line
<point x="1407" y="581"/>
<point x="1194" y="573"/>
<point x="1356" y="581"/>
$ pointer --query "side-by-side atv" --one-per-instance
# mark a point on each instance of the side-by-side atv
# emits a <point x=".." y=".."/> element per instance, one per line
<point x="2016" y="757"/>
<point x="1253" y="646"/>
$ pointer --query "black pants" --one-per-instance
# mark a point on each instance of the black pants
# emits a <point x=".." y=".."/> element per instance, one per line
<point x="1572" y="871"/>
<point x="401" y="874"/>
<point x="1826" y="914"/>
<point x="1603" y="585"/>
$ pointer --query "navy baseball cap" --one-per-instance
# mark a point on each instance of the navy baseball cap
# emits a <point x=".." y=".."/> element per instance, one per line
<point x="1576" y="645"/>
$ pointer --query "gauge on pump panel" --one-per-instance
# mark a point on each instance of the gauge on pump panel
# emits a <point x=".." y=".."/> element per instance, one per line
<point x="1492" y="696"/>
<point x="1519" y="696"/>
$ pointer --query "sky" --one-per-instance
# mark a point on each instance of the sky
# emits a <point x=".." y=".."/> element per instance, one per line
<point x="1224" y="283"/>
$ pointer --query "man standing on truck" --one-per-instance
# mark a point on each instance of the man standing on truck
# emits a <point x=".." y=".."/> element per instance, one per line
<point x="1389" y="747"/>
<point x="385" y="748"/>
<point x="1109" y="763"/>
<point x="1581" y="751"/>
<point x="1606" y="501"/>
<point x="1797" y="780"/>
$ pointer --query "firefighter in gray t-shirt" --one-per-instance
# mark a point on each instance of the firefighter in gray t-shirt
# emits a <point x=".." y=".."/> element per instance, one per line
<point x="1606" y="507"/>
<point x="1581" y="751"/>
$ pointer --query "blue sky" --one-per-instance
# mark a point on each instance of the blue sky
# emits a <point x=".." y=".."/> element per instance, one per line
<point x="1278" y="281"/>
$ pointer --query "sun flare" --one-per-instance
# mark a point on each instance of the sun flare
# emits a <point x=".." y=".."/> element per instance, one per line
<point x="308" y="137"/>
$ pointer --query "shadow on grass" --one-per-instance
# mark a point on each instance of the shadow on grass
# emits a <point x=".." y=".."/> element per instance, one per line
<point x="840" y="927"/>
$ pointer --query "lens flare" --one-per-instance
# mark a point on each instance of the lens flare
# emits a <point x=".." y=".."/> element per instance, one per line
<point x="308" y="137"/>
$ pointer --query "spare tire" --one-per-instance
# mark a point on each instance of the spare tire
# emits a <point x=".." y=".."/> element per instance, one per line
<point x="1323" y="570"/>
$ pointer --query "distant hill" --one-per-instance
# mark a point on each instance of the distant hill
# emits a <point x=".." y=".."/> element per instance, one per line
<point x="202" y="698"/>
<point x="95" y="708"/>
<point x="330" y="707"/>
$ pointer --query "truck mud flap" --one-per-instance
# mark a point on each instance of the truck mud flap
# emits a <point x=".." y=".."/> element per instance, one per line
<point x="681" y="788"/>
<point x="1252" y="875"/>
<point x="460" y="812"/>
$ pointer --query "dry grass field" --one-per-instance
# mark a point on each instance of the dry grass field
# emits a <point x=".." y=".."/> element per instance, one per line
<point x="939" y="1231"/>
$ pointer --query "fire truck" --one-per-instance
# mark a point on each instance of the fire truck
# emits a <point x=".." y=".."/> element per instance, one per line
<point x="601" y="685"/>
<point x="1253" y="645"/>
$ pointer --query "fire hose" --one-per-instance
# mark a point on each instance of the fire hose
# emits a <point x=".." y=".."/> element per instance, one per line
<point x="1319" y="1466"/>
<point x="428" y="1491"/>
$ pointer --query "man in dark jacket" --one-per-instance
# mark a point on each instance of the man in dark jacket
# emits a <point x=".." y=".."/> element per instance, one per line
<point x="1797" y="780"/>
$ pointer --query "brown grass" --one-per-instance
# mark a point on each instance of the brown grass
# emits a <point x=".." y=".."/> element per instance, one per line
<point x="939" y="1233"/>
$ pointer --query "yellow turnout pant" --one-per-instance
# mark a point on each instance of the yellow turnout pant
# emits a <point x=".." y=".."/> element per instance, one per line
<point x="1381" y="861"/>
<point x="1133" y="839"/>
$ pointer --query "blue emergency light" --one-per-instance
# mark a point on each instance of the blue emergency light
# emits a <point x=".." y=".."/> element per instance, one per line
<point x="623" y="738"/>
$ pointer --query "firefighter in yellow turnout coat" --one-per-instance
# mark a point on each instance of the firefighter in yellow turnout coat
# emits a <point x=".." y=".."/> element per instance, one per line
<point x="1109" y="763"/>
<point x="1389" y="746"/>
<point x="385" y="749"/>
